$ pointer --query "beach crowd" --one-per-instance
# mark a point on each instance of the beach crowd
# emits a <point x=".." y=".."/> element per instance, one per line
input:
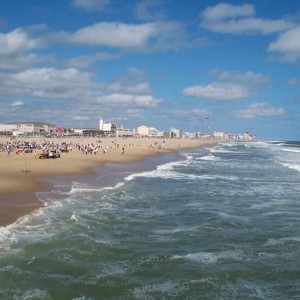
<point x="44" y="146"/>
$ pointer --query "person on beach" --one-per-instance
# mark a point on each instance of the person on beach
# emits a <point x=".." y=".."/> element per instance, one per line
<point x="8" y="150"/>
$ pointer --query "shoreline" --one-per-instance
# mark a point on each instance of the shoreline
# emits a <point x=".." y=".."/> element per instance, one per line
<point x="23" y="176"/>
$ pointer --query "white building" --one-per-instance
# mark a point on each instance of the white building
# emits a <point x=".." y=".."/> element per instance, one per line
<point x="248" y="136"/>
<point x="176" y="133"/>
<point x="143" y="130"/>
<point x="163" y="134"/>
<point x="107" y="127"/>
<point x="124" y="132"/>
<point x="34" y="127"/>
<point x="147" y="131"/>
<point x="28" y="128"/>
<point x="218" y="134"/>
<point x="8" y="128"/>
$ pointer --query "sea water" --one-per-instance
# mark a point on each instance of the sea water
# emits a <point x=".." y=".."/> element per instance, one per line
<point x="218" y="223"/>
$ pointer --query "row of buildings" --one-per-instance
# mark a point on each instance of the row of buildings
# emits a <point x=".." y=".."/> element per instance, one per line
<point x="108" y="130"/>
<point x="27" y="128"/>
<point x="105" y="129"/>
<point x="241" y="136"/>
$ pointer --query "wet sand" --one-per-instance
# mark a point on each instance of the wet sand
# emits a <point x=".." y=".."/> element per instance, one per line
<point x="21" y="176"/>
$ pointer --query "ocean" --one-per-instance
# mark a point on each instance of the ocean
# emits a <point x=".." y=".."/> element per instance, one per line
<point x="212" y="223"/>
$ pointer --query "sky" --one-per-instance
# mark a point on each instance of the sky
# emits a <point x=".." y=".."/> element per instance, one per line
<point x="199" y="66"/>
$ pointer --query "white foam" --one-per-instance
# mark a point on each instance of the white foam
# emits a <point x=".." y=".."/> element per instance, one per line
<point x="166" y="289"/>
<point x="171" y="165"/>
<point x="291" y="166"/>
<point x="190" y="156"/>
<point x="45" y="197"/>
<point x="176" y="230"/>
<point x="267" y="204"/>
<point x="236" y="217"/>
<point x="77" y="189"/>
<point x="210" y="257"/>
<point x="291" y="150"/>
<point x="74" y="218"/>
<point x="32" y="294"/>
<point x="221" y="150"/>
<point x="209" y="157"/>
<point x="171" y="175"/>
<point x="280" y="213"/>
<point x="275" y="242"/>
<point x="230" y="144"/>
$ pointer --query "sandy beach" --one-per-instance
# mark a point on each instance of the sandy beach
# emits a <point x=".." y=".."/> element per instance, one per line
<point x="24" y="174"/>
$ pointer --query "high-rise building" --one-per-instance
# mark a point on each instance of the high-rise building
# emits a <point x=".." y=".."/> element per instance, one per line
<point x="107" y="127"/>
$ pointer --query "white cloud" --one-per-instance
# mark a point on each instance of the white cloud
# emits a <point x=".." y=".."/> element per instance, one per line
<point x="15" y="42"/>
<point x="248" y="77"/>
<point x="225" y="11"/>
<point x="237" y="19"/>
<point x="72" y="84"/>
<point x="20" y="62"/>
<point x="115" y="34"/>
<point x="16" y="50"/>
<point x="152" y="36"/>
<point x="217" y="91"/>
<point x="91" y="5"/>
<point x="50" y="83"/>
<point x="259" y="110"/>
<point x="17" y="104"/>
<point x="200" y="113"/>
<point x="127" y="99"/>
<point x="288" y="44"/>
<point x="87" y="60"/>
<point x="140" y="88"/>
<point x="148" y="10"/>
<point x="51" y="78"/>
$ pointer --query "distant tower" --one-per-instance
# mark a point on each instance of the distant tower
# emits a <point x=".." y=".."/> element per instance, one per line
<point x="101" y="124"/>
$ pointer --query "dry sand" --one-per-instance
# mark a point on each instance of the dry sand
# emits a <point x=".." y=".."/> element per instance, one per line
<point x="20" y="174"/>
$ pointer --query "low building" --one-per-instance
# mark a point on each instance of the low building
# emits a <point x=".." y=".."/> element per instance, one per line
<point x="248" y="136"/>
<point x="163" y="134"/>
<point x="87" y="132"/>
<point x="124" y="132"/>
<point x="8" y="129"/>
<point x="147" y="131"/>
<point x="176" y="133"/>
<point x="143" y="130"/>
<point x="218" y="134"/>
<point x="28" y="128"/>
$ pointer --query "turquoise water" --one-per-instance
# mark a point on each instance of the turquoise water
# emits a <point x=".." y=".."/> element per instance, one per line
<point x="220" y="223"/>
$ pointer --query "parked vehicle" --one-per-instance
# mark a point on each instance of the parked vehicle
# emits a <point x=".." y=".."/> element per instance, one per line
<point x="64" y="148"/>
<point x="54" y="154"/>
<point x="50" y="154"/>
<point x="28" y="149"/>
<point x="42" y="155"/>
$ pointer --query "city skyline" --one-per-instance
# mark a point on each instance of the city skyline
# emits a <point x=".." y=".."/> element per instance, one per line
<point x="206" y="66"/>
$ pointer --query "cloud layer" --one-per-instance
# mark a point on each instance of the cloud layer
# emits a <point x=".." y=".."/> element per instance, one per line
<point x="259" y="110"/>
<point x="238" y="19"/>
<point x="139" y="59"/>
<point x="217" y="91"/>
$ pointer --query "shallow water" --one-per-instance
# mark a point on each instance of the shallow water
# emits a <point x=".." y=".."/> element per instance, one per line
<point x="221" y="223"/>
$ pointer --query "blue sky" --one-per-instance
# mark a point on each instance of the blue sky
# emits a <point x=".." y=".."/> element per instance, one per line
<point x="196" y="65"/>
